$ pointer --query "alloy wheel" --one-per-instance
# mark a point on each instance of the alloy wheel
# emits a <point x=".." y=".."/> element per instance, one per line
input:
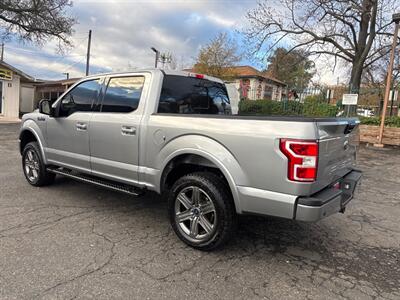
<point x="31" y="165"/>
<point x="195" y="214"/>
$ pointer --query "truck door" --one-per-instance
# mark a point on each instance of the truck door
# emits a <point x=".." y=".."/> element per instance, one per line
<point x="115" y="128"/>
<point x="67" y="134"/>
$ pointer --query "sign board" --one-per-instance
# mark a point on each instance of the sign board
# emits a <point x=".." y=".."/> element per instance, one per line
<point x="5" y="74"/>
<point x="350" y="99"/>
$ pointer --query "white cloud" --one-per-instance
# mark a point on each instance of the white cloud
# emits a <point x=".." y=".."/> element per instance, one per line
<point x="124" y="31"/>
<point x="221" y="20"/>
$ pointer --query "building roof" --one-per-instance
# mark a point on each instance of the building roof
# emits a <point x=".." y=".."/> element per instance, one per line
<point x="248" y="71"/>
<point x="58" y="82"/>
<point x="24" y="76"/>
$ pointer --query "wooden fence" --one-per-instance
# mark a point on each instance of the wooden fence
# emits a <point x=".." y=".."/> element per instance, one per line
<point x="369" y="134"/>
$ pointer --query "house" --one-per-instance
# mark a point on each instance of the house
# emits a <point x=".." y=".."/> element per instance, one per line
<point x="51" y="90"/>
<point x="253" y="84"/>
<point x="16" y="91"/>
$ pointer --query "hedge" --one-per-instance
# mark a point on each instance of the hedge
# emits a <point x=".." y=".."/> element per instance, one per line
<point x="286" y="108"/>
<point x="389" y="121"/>
<point x="310" y="108"/>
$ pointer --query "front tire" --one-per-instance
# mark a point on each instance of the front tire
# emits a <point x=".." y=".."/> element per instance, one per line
<point x="33" y="166"/>
<point x="201" y="211"/>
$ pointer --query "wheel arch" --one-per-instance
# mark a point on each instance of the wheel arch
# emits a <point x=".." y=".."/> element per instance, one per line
<point x="28" y="134"/>
<point x="204" y="153"/>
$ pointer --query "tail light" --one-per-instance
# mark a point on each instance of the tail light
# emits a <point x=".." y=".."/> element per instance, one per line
<point x="302" y="159"/>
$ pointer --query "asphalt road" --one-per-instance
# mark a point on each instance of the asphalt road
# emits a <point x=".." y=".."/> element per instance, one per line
<point x="72" y="240"/>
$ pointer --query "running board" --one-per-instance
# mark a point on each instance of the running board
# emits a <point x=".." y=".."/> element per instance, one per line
<point x="119" y="187"/>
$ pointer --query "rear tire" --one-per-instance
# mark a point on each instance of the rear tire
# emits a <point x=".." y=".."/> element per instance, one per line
<point x="33" y="166"/>
<point x="201" y="211"/>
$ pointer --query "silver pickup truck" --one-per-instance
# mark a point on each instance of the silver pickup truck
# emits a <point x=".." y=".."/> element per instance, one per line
<point x="173" y="133"/>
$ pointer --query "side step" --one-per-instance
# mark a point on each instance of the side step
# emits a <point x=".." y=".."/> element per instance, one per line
<point x="116" y="186"/>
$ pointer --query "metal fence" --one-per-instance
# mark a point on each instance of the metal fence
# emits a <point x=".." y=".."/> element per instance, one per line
<point x="369" y="104"/>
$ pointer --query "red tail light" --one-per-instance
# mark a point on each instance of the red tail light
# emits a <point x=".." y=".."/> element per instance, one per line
<point x="302" y="159"/>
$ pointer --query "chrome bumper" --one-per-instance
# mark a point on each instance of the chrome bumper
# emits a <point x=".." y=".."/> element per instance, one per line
<point x="328" y="201"/>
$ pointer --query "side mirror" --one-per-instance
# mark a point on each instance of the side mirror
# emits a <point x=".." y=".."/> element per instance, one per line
<point x="67" y="103"/>
<point x="45" y="107"/>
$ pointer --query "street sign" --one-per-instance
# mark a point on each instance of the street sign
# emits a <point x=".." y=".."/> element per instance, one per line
<point x="350" y="99"/>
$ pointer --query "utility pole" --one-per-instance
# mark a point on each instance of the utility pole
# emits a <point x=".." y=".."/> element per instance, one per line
<point x="396" y="20"/>
<point x="88" y="52"/>
<point x="2" y="52"/>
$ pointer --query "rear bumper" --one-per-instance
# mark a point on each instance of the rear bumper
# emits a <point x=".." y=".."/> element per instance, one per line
<point x="328" y="201"/>
<point x="310" y="209"/>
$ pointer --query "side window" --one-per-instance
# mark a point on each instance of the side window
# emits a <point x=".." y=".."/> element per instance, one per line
<point x="123" y="94"/>
<point x="189" y="95"/>
<point x="80" y="98"/>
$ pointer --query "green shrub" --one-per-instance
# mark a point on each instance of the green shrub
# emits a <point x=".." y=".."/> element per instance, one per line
<point x="269" y="107"/>
<point x="311" y="108"/>
<point x="389" y="121"/>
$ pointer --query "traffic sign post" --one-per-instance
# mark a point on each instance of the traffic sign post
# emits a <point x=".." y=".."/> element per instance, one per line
<point x="348" y="100"/>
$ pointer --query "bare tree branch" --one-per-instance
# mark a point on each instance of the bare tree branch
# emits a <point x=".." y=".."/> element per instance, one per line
<point x="354" y="31"/>
<point x="36" y="20"/>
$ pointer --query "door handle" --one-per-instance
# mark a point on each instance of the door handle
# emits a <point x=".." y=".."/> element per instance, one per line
<point x="81" y="126"/>
<point x="128" y="130"/>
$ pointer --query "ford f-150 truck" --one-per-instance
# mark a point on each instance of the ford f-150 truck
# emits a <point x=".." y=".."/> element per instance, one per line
<point x="173" y="133"/>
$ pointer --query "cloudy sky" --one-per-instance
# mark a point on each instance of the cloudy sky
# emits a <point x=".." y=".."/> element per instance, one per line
<point x="124" y="31"/>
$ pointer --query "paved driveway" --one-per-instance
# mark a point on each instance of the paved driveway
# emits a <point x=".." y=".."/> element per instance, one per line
<point x="72" y="240"/>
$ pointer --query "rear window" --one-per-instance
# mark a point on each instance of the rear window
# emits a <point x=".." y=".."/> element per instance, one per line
<point x="189" y="95"/>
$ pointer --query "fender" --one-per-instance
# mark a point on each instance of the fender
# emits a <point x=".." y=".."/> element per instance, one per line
<point x="209" y="149"/>
<point x="31" y="126"/>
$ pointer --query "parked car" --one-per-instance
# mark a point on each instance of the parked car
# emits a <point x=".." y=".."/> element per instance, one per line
<point x="173" y="133"/>
<point x="365" y="112"/>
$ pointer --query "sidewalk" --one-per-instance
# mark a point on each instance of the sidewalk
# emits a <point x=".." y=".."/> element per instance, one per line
<point x="6" y="120"/>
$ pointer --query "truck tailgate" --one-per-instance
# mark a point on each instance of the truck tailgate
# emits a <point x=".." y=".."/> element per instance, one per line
<point x="338" y="142"/>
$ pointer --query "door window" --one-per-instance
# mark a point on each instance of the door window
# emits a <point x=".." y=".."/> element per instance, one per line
<point x="80" y="98"/>
<point x="123" y="94"/>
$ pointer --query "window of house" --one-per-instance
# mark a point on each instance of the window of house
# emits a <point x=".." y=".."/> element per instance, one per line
<point x="123" y="94"/>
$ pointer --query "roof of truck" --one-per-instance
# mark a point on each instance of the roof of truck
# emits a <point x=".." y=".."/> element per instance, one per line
<point x="153" y="70"/>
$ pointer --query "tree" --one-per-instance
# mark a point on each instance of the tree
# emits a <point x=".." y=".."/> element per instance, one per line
<point x="294" y="68"/>
<point x="377" y="73"/>
<point x="357" y="32"/>
<point x="217" y="57"/>
<point x="36" y="20"/>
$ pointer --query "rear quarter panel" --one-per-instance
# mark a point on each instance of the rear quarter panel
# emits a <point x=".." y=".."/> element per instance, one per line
<point x="248" y="149"/>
